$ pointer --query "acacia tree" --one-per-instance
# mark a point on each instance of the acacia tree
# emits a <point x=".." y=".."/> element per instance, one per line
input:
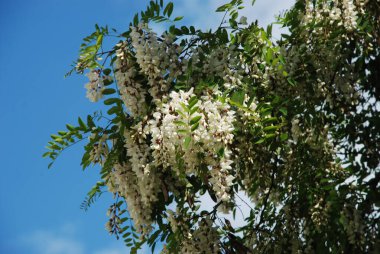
<point x="293" y="124"/>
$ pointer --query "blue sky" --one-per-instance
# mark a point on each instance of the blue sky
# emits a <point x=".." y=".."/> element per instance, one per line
<point x="39" y="208"/>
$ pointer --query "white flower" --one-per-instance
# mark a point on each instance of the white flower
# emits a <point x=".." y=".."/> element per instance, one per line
<point x="123" y="180"/>
<point x="296" y="132"/>
<point x="204" y="239"/>
<point x="100" y="150"/>
<point x="131" y="90"/>
<point x="172" y="125"/>
<point x="95" y="87"/>
<point x="156" y="58"/>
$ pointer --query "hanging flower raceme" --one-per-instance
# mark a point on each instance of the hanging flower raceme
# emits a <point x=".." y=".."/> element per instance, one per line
<point x="155" y="58"/>
<point x="96" y="85"/>
<point x="204" y="239"/>
<point x="187" y="132"/>
<point x="100" y="150"/>
<point x="138" y="152"/>
<point x="131" y="90"/>
<point x="123" y="180"/>
<point x="343" y="13"/>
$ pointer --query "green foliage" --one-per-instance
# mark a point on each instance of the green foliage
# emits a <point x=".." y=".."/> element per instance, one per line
<point x="306" y="130"/>
<point x="92" y="195"/>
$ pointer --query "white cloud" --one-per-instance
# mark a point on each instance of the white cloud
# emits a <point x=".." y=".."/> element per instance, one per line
<point x="46" y="242"/>
<point x="64" y="240"/>
<point x="111" y="251"/>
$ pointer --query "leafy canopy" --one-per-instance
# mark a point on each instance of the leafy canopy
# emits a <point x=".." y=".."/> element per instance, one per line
<point x="292" y="124"/>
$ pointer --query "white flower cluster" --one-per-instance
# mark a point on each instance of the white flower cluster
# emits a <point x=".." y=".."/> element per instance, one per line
<point x="349" y="15"/>
<point x="232" y="81"/>
<point x="354" y="225"/>
<point x="138" y="152"/>
<point x="296" y="131"/>
<point x="155" y="58"/>
<point x="220" y="62"/>
<point x="95" y="87"/>
<point x="319" y="214"/>
<point x="246" y="116"/>
<point x="125" y="182"/>
<point x="131" y="90"/>
<point x="344" y="12"/>
<point x="221" y="177"/>
<point x="177" y="224"/>
<point x="325" y="48"/>
<point x="114" y="222"/>
<point x="186" y="126"/>
<point x="204" y="239"/>
<point x="100" y="150"/>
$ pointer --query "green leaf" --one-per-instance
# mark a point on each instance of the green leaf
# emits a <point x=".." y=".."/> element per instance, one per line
<point x="46" y="154"/>
<point x="193" y="110"/>
<point x="220" y="152"/>
<point x="291" y="81"/>
<point x="107" y="82"/>
<point x="153" y="247"/>
<point x="266" y="111"/>
<point x="178" y="18"/>
<point x="193" y="100"/>
<point x="90" y="121"/>
<point x="70" y="127"/>
<point x="82" y="124"/>
<point x="187" y="142"/>
<point x="168" y="9"/>
<point x="136" y="19"/>
<point x="260" y="141"/>
<point x="108" y="91"/>
<point x="194" y="127"/>
<point x="124" y="228"/>
<point x="113" y="110"/>
<point x="195" y="120"/>
<point x="53" y="136"/>
<point x="184" y="107"/>
<point x="180" y="123"/>
<point x="107" y="71"/>
<point x="112" y="101"/>
<point x="126" y="235"/>
<point x="284" y="136"/>
<point x="238" y="97"/>
<point x="154" y="236"/>
<point x="50" y="164"/>
<point x="284" y="111"/>
<point x="181" y="113"/>
<point x="185" y="30"/>
<point x="269" y="120"/>
<point x="269" y="55"/>
<point x="223" y="8"/>
<point x="99" y="40"/>
<point x="182" y="131"/>
<point x="271" y="128"/>
<point x="56" y="147"/>
<point x="270" y="136"/>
